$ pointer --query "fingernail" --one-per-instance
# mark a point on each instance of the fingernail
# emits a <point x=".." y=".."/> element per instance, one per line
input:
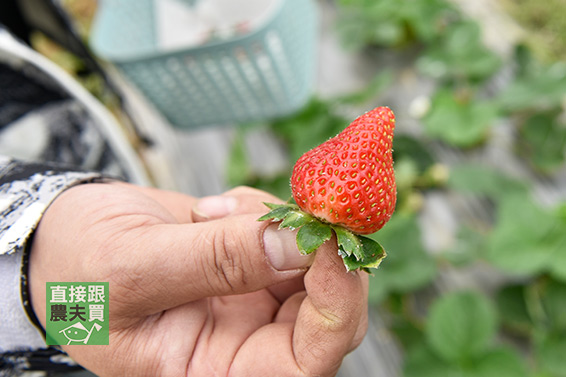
<point x="215" y="206"/>
<point x="281" y="249"/>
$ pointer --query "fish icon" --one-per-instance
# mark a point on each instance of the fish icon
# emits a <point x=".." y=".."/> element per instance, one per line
<point x="77" y="332"/>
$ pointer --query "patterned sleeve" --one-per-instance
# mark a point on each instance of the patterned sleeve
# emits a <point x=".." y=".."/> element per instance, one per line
<point x="26" y="190"/>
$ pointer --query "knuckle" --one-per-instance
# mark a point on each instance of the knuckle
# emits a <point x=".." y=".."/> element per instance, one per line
<point x="332" y="322"/>
<point x="226" y="264"/>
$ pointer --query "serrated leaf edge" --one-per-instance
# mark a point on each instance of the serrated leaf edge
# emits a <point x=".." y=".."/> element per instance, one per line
<point x="277" y="215"/>
<point x="343" y="237"/>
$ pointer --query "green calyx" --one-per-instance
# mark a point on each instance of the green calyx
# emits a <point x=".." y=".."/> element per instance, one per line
<point x="357" y="252"/>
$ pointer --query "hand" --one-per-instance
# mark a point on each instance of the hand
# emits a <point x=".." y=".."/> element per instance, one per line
<point x="198" y="287"/>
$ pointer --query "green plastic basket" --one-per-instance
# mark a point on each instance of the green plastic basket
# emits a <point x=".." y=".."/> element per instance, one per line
<point x="266" y="73"/>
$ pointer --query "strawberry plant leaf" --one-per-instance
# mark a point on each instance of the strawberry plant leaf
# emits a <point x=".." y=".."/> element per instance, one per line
<point x="543" y="140"/>
<point x="422" y="361"/>
<point x="512" y="307"/>
<point x="275" y="205"/>
<point x="459" y="122"/>
<point x="461" y="325"/>
<point x="550" y="351"/>
<point x="482" y="180"/>
<point x="466" y="249"/>
<point x="554" y="305"/>
<point x="372" y="255"/>
<point x="372" y="252"/>
<point x="295" y="219"/>
<point x="539" y="89"/>
<point x="460" y="54"/>
<point x="348" y="242"/>
<point x="353" y="264"/>
<point x="409" y="266"/>
<point x="558" y="267"/>
<point x="364" y="23"/>
<point x="276" y="214"/>
<point x="534" y="308"/>
<point x="311" y="235"/>
<point x="518" y="247"/>
<point x="319" y="117"/>
<point x="557" y="237"/>
<point x="413" y="149"/>
<point x="498" y="362"/>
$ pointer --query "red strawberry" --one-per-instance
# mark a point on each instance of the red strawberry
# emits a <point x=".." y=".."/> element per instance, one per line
<point x="349" y="180"/>
<point x="346" y="186"/>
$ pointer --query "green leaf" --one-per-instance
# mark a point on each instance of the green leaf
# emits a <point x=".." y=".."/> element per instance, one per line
<point x="459" y="122"/>
<point x="460" y="55"/>
<point x="421" y="361"/>
<point x="409" y="332"/>
<point x="276" y="205"/>
<point x="461" y="325"/>
<point x="543" y="140"/>
<point x="372" y="253"/>
<point x="406" y="174"/>
<point x="550" y="353"/>
<point x="348" y="242"/>
<point x="277" y="213"/>
<point x="553" y="300"/>
<point x="539" y="89"/>
<point x="512" y="307"/>
<point x="295" y="219"/>
<point x="499" y="362"/>
<point x="391" y="23"/>
<point x="409" y="266"/>
<point x="466" y="251"/>
<point x="483" y="180"/>
<point x="312" y="235"/>
<point x="557" y="268"/>
<point x="518" y="247"/>
<point x="321" y="120"/>
<point x="408" y="147"/>
<point x="557" y="237"/>
<point x="377" y="291"/>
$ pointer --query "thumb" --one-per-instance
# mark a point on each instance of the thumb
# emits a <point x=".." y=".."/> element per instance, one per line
<point x="185" y="262"/>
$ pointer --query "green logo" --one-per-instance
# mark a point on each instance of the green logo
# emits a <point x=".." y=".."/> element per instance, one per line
<point x="77" y="313"/>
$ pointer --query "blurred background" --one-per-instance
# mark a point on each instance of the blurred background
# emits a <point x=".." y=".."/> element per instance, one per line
<point x="475" y="279"/>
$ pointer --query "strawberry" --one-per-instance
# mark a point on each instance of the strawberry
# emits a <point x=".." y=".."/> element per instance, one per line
<point x="349" y="179"/>
<point x="346" y="186"/>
